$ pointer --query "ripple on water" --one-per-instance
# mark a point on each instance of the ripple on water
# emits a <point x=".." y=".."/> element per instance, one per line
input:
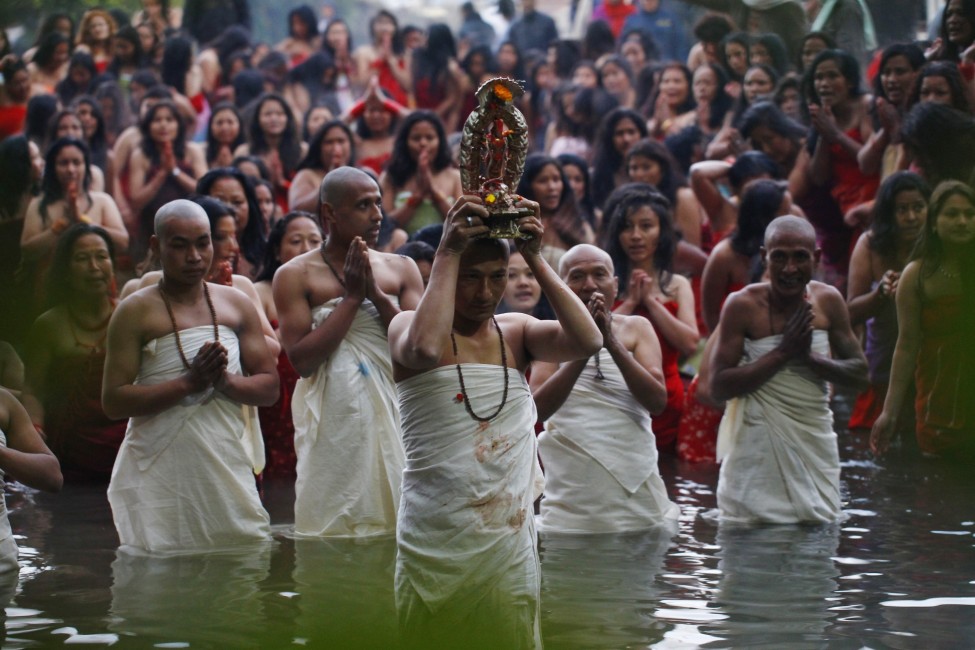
<point x="931" y="602"/>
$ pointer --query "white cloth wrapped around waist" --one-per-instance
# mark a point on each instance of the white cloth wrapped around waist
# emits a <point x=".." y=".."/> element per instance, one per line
<point x="600" y="459"/>
<point x="8" y="546"/>
<point x="347" y="435"/>
<point x="183" y="478"/>
<point x="465" y="521"/>
<point x="161" y="362"/>
<point x="780" y="462"/>
<point x="603" y="418"/>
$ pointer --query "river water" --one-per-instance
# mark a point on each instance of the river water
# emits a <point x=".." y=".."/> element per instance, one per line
<point x="899" y="572"/>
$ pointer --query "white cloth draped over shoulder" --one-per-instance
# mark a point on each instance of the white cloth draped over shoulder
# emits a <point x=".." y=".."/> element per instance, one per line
<point x="780" y="462"/>
<point x="347" y="435"/>
<point x="184" y="478"/>
<point x="600" y="459"/>
<point x="8" y="547"/>
<point x="466" y="535"/>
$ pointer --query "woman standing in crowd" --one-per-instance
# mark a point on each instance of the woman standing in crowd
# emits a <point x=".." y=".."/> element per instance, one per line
<point x="95" y="33"/>
<point x="385" y="59"/>
<point x="545" y="182"/>
<point x="225" y="134"/>
<point x="893" y="89"/>
<point x="420" y="182"/>
<point x="438" y="81"/>
<point x="66" y="198"/>
<point x="273" y="137"/>
<point x="641" y="239"/>
<point x="672" y="98"/>
<point x="618" y="131"/>
<point x="649" y="161"/>
<point x="331" y="147"/>
<point x="934" y="351"/>
<point x="294" y="234"/>
<point x="66" y="356"/>
<point x="841" y="124"/>
<point x="230" y="185"/>
<point x="162" y="168"/>
<point x="50" y="64"/>
<point x="880" y="255"/>
<point x="302" y="39"/>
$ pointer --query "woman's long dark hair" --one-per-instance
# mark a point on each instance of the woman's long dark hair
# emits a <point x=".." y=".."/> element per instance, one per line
<point x="622" y="203"/>
<point x="883" y="228"/>
<point x="722" y="102"/>
<point x="45" y="51"/>
<point x="15" y="173"/>
<point x="305" y="14"/>
<point x="51" y="189"/>
<point x="671" y="177"/>
<point x="760" y="203"/>
<point x="98" y="142"/>
<point x="313" y="159"/>
<point x="430" y="62"/>
<point x="272" y="261"/>
<point x="950" y="51"/>
<point x="585" y="201"/>
<point x="290" y="148"/>
<point x="213" y="147"/>
<point x="130" y="34"/>
<point x="949" y="72"/>
<point x="59" y="275"/>
<point x="252" y="240"/>
<point x="149" y="147"/>
<point x="176" y="62"/>
<point x="567" y="220"/>
<point x="67" y="89"/>
<point x="401" y="165"/>
<point x="606" y="160"/>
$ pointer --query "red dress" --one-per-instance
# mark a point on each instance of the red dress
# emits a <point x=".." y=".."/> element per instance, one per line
<point x="697" y="435"/>
<point x="945" y="379"/>
<point x="12" y="119"/>
<point x="665" y="425"/>
<point x="79" y="433"/>
<point x="277" y="427"/>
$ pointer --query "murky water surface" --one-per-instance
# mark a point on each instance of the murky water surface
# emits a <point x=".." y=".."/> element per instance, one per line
<point x="899" y="572"/>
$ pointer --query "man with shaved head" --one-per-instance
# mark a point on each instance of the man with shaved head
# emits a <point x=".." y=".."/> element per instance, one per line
<point x="183" y="355"/>
<point x="780" y="343"/>
<point x="334" y="305"/>
<point x="597" y="417"/>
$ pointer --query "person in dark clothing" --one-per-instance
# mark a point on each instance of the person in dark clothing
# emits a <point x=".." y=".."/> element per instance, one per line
<point x="534" y="30"/>
<point x="205" y="20"/>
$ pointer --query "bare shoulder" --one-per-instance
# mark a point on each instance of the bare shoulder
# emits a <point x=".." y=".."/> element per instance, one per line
<point x="742" y="305"/>
<point x="295" y="268"/>
<point x="825" y="295"/>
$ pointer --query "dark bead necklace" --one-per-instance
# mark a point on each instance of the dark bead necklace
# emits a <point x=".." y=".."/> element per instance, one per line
<point x="172" y="319"/>
<point x="504" y="369"/>
<point x="330" y="267"/>
<point x="599" y="373"/>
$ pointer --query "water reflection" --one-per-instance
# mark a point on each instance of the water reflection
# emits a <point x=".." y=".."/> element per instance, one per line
<point x="212" y="599"/>
<point x="776" y="585"/>
<point x="601" y="591"/>
<point x="344" y="593"/>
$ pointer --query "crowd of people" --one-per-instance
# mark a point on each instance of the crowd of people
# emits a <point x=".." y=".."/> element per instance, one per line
<point x="743" y="209"/>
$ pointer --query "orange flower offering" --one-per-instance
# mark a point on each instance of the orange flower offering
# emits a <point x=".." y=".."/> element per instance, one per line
<point x="502" y="92"/>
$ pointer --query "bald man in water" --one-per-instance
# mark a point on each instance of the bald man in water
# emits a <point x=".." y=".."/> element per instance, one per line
<point x="183" y="355"/>
<point x="779" y="345"/>
<point x="334" y="305"/>
<point x="598" y="449"/>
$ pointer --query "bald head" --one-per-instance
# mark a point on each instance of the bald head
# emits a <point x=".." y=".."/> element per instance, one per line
<point x="180" y="209"/>
<point x="793" y="227"/>
<point x="340" y="182"/>
<point x="584" y="252"/>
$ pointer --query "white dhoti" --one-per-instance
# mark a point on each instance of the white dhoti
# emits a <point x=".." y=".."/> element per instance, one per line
<point x="780" y="458"/>
<point x="8" y="546"/>
<point x="467" y="565"/>
<point x="184" y="478"/>
<point x="347" y="435"/>
<point x="600" y="460"/>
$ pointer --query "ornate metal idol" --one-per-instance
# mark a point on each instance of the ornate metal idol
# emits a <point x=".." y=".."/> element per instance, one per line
<point x="492" y="155"/>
